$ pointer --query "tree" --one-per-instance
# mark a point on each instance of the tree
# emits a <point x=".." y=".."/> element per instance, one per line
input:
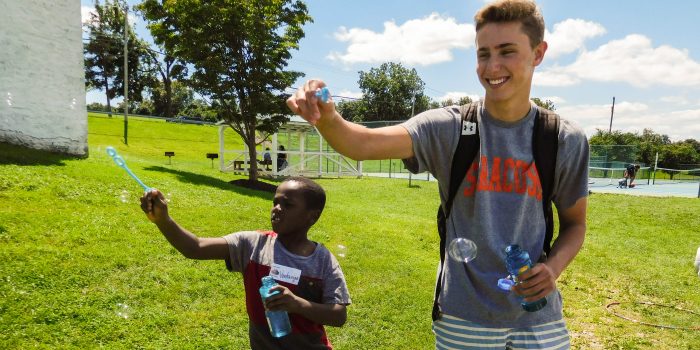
<point x="104" y="54"/>
<point x="675" y="154"/>
<point x="389" y="92"/>
<point x="353" y="110"/>
<point x="170" y="99"/>
<point x="239" y="50"/>
<point x="546" y="104"/>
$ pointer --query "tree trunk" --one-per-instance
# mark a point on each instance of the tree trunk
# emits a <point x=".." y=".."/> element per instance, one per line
<point x="253" y="157"/>
<point x="168" y="98"/>
<point x="109" y="106"/>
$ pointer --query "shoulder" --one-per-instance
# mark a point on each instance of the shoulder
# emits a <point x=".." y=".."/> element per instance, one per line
<point x="248" y="236"/>
<point x="570" y="132"/>
<point x="436" y="116"/>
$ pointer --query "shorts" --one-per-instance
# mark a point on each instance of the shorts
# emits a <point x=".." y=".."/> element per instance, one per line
<point x="455" y="333"/>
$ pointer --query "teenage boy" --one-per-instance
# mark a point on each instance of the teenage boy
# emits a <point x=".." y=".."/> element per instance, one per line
<point x="492" y="211"/>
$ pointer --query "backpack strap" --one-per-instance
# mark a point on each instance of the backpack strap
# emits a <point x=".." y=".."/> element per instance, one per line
<point x="467" y="148"/>
<point x="545" y="143"/>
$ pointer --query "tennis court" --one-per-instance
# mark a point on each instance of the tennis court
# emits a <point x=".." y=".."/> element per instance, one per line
<point x="605" y="180"/>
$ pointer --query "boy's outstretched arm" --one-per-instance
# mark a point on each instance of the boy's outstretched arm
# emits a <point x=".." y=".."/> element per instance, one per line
<point x="349" y="139"/>
<point x="153" y="203"/>
<point x="325" y="314"/>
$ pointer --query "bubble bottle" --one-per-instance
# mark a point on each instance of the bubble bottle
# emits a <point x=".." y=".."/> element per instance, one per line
<point x="517" y="262"/>
<point x="277" y="320"/>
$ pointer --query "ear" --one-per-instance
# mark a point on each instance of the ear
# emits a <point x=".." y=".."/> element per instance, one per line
<point x="539" y="50"/>
<point x="314" y="215"/>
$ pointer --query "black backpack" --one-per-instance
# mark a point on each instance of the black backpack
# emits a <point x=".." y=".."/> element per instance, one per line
<point x="545" y="142"/>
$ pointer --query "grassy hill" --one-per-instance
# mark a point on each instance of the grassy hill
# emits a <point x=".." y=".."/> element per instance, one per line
<point x="83" y="268"/>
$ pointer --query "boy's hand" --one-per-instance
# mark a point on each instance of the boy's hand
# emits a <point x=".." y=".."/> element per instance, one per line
<point x="536" y="283"/>
<point x="306" y="104"/>
<point x="285" y="300"/>
<point x="155" y="206"/>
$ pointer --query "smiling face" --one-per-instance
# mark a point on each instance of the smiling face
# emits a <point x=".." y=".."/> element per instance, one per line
<point x="290" y="214"/>
<point x="506" y="62"/>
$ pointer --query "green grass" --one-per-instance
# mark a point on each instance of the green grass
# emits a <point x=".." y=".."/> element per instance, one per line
<point x="73" y="252"/>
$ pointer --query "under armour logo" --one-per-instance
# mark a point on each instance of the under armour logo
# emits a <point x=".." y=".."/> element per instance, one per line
<point x="468" y="128"/>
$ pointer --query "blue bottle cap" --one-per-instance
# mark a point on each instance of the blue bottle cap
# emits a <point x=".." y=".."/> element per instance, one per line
<point x="505" y="284"/>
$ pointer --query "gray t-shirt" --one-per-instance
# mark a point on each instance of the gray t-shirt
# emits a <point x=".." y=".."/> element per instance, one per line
<point x="498" y="204"/>
<point x="316" y="278"/>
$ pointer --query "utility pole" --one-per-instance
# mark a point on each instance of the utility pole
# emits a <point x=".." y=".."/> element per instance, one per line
<point x="612" y="111"/>
<point x="126" y="74"/>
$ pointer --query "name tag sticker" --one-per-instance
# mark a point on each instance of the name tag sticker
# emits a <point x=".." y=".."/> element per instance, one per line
<point x="285" y="274"/>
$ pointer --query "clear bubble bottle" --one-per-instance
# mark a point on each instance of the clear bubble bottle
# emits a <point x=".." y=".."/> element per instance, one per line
<point x="277" y="320"/>
<point x="517" y="262"/>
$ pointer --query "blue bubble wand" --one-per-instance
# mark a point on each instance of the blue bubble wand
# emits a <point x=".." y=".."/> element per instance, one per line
<point x="122" y="164"/>
<point x="324" y="94"/>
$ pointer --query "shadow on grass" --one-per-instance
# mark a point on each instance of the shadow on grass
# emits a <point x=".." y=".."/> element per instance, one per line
<point x="19" y="155"/>
<point x="266" y="190"/>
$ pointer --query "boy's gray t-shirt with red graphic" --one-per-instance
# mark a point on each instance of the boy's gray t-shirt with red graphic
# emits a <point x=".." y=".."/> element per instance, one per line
<point x="316" y="278"/>
<point x="498" y="203"/>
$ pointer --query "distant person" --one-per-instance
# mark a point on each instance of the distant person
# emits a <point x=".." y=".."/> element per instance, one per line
<point x="267" y="158"/>
<point x="312" y="286"/>
<point x="281" y="158"/>
<point x="631" y="174"/>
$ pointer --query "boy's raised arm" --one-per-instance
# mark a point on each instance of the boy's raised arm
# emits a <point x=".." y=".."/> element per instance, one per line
<point x="349" y="139"/>
<point x="153" y="203"/>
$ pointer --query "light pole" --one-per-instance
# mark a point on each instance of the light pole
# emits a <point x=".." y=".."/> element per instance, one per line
<point x="612" y="111"/>
<point x="126" y="74"/>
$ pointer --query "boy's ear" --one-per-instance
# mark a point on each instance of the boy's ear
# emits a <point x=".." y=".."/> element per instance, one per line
<point x="540" y="49"/>
<point x="314" y="215"/>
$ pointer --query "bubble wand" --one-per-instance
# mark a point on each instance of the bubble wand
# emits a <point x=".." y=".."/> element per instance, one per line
<point x="324" y="94"/>
<point x="122" y="164"/>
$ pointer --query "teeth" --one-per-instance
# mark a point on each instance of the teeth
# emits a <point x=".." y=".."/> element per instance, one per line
<point x="497" y="81"/>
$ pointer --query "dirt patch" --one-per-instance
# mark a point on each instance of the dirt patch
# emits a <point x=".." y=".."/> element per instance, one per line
<point x="255" y="185"/>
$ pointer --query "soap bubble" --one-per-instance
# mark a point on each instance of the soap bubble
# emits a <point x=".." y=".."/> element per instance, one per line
<point x="462" y="250"/>
<point x="124" y="197"/>
<point x="122" y="310"/>
<point x="341" y="250"/>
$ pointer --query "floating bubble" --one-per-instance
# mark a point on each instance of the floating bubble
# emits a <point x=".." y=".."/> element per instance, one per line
<point x="341" y="250"/>
<point x="462" y="250"/>
<point x="122" y="310"/>
<point x="124" y="196"/>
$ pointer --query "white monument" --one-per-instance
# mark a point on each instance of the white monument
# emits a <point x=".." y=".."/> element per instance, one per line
<point x="42" y="80"/>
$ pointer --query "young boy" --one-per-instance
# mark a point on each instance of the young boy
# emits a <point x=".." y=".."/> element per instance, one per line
<point x="499" y="201"/>
<point x="312" y="286"/>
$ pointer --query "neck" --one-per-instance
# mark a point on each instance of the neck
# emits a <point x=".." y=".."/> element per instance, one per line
<point x="297" y="244"/>
<point x="508" y="111"/>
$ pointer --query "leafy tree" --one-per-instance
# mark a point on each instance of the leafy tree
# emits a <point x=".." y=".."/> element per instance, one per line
<point x="546" y="104"/>
<point x="353" y="110"/>
<point x="104" y="53"/>
<point x="238" y="50"/>
<point x="199" y="109"/>
<point x="389" y="92"/>
<point x="649" y="144"/>
<point x="675" y="154"/>
<point x="170" y="99"/>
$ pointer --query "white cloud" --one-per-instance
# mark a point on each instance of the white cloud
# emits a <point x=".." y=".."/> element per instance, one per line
<point x="456" y="95"/>
<point x="85" y="12"/>
<point x="632" y="60"/>
<point x="423" y="41"/>
<point x="569" y="35"/>
<point x="635" y="117"/>
<point x="555" y="99"/>
<point x="348" y="93"/>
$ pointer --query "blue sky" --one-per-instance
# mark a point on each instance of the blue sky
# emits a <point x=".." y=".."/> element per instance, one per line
<point x="645" y="54"/>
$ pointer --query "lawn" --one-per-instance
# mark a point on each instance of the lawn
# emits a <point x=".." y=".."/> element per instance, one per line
<point x="83" y="268"/>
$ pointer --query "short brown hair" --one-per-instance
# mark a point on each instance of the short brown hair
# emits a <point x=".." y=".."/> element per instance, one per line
<point x="523" y="11"/>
